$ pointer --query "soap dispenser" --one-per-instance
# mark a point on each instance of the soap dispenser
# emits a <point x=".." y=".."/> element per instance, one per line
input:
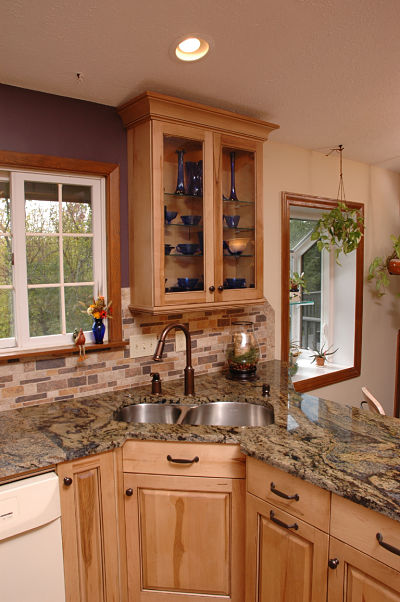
<point x="155" y="383"/>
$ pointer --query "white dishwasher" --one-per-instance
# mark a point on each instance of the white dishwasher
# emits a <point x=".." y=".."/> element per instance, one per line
<point x="31" y="558"/>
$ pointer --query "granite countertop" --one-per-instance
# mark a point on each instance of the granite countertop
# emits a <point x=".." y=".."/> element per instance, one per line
<point x="345" y="450"/>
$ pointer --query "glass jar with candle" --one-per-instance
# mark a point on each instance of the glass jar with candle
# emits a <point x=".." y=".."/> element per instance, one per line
<point x="243" y="352"/>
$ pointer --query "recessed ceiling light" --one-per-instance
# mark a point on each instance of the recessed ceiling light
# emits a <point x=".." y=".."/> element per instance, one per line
<point x="191" y="48"/>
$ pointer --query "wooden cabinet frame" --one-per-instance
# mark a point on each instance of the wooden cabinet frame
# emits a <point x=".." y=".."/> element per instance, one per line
<point x="147" y="117"/>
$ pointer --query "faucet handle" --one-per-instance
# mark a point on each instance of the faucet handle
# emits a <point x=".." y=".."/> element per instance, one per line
<point x="266" y="389"/>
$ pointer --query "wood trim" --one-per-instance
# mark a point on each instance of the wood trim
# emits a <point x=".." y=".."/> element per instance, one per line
<point x="185" y="308"/>
<point x="298" y="200"/>
<point x="152" y="105"/>
<point x="110" y="171"/>
<point x="61" y="351"/>
<point x="396" y="408"/>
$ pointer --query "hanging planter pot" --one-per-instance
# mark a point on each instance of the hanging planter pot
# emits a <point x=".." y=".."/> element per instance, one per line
<point x="394" y="266"/>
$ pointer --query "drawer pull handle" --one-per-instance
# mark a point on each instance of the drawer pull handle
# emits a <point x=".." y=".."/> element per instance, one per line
<point x="272" y="516"/>
<point x="182" y="460"/>
<point x="387" y="546"/>
<point x="284" y="495"/>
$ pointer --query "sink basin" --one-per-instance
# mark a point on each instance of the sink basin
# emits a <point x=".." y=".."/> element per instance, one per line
<point x="150" y="413"/>
<point x="230" y="413"/>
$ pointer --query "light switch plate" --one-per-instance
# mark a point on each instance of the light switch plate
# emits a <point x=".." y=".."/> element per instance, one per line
<point x="142" y="345"/>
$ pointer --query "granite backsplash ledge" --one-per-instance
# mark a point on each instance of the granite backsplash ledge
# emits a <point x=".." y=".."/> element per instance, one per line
<point x="24" y="383"/>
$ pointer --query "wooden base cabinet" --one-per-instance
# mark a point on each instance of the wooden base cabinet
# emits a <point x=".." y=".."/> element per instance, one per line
<point x="184" y="534"/>
<point x="286" y="557"/>
<point x="90" y="529"/>
<point x="360" y="578"/>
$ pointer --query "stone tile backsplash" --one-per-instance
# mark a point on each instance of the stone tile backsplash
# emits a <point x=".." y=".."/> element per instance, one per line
<point x="32" y="382"/>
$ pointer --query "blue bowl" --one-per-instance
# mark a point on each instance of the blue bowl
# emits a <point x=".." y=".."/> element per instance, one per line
<point x="168" y="249"/>
<point x="232" y="221"/>
<point x="187" y="283"/>
<point x="188" y="248"/>
<point x="235" y="282"/>
<point x="191" y="220"/>
<point x="169" y="215"/>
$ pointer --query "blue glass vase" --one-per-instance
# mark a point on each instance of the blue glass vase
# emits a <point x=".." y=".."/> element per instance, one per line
<point x="180" y="187"/>
<point x="98" y="330"/>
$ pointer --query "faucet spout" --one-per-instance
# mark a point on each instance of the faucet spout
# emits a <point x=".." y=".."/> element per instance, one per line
<point x="189" y="371"/>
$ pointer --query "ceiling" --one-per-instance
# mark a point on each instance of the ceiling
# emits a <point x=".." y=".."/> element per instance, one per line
<point x="327" y="71"/>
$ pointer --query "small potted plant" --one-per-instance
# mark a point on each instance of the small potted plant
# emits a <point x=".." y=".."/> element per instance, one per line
<point x="320" y="355"/>
<point x="340" y="230"/>
<point x="296" y="283"/>
<point x="294" y="352"/>
<point x="381" y="267"/>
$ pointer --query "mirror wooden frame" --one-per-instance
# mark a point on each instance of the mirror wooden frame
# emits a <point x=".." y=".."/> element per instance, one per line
<point x="299" y="200"/>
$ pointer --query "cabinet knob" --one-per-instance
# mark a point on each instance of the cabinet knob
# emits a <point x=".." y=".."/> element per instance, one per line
<point x="333" y="563"/>
<point x="129" y="492"/>
<point x="211" y="288"/>
<point x="220" y="288"/>
<point x="67" y="481"/>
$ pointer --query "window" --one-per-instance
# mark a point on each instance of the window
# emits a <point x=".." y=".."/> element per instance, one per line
<point x="52" y="256"/>
<point x="330" y="312"/>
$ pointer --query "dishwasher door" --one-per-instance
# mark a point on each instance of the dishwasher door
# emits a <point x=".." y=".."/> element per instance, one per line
<point x="31" y="558"/>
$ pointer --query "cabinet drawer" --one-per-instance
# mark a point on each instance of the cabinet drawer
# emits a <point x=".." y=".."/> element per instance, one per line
<point x="310" y="503"/>
<point x="209" y="459"/>
<point x="358" y="527"/>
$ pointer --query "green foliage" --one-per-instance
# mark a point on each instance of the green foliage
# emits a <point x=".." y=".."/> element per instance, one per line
<point x="340" y="230"/>
<point x="297" y="280"/>
<point x="42" y="249"/>
<point x="322" y="352"/>
<point x="379" y="268"/>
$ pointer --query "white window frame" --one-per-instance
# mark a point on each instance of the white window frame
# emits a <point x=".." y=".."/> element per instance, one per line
<point x="327" y="326"/>
<point x="22" y="340"/>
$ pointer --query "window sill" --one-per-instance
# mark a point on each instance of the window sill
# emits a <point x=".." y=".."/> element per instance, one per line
<point x="310" y="376"/>
<point x="58" y="351"/>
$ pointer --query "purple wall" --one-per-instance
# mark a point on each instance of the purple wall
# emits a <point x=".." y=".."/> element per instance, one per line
<point x="34" y="122"/>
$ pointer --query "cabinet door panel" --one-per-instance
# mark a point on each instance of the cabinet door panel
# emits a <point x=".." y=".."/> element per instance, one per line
<point x="189" y="535"/>
<point x="91" y="554"/>
<point x="360" y="578"/>
<point x="283" y="565"/>
<point x="177" y="553"/>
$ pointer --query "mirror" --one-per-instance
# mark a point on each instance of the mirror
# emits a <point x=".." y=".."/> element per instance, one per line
<point x="327" y="311"/>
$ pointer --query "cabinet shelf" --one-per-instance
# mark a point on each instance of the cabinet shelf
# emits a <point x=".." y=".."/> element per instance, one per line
<point x="238" y="229"/>
<point x="184" y="225"/>
<point x="185" y="256"/>
<point x="183" y="196"/>
<point x="238" y="202"/>
<point x="238" y="256"/>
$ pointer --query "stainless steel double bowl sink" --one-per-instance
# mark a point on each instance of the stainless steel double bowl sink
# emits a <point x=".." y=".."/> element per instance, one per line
<point x="218" y="413"/>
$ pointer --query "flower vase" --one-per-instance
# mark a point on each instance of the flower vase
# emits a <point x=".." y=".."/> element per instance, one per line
<point x="98" y="330"/>
<point x="180" y="187"/>
<point x="232" y="196"/>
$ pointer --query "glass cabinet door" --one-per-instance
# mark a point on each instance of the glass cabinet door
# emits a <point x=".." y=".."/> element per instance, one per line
<point x="183" y="217"/>
<point x="238" y="216"/>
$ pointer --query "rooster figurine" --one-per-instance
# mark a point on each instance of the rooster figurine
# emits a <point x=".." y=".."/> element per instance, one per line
<point x="80" y="341"/>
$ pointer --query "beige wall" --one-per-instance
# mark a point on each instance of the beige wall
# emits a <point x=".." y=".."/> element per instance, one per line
<point x="293" y="169"/>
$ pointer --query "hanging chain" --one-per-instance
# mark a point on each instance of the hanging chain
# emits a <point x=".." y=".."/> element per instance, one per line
<point x="341" y="197"/>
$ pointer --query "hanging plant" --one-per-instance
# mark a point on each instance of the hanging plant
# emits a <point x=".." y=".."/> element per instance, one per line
<point x="342" y="228"/>
<point x="381" y="267"/>
<point x="339" y="230"/>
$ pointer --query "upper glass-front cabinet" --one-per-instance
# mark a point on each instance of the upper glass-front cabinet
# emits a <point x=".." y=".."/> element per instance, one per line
<point x="183" y="160"/>
<point x="195" y="200"/>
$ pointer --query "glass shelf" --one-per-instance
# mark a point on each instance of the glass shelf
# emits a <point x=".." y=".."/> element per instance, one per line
<point x="184" y="225"/>
<point x="238" y="202"/>
<point x="238" y="229"/>
<point x="301" y="303"/>
<point x="238" y="256"/>
<point x="183" y="196"/>
<point x="185" y="256"/>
